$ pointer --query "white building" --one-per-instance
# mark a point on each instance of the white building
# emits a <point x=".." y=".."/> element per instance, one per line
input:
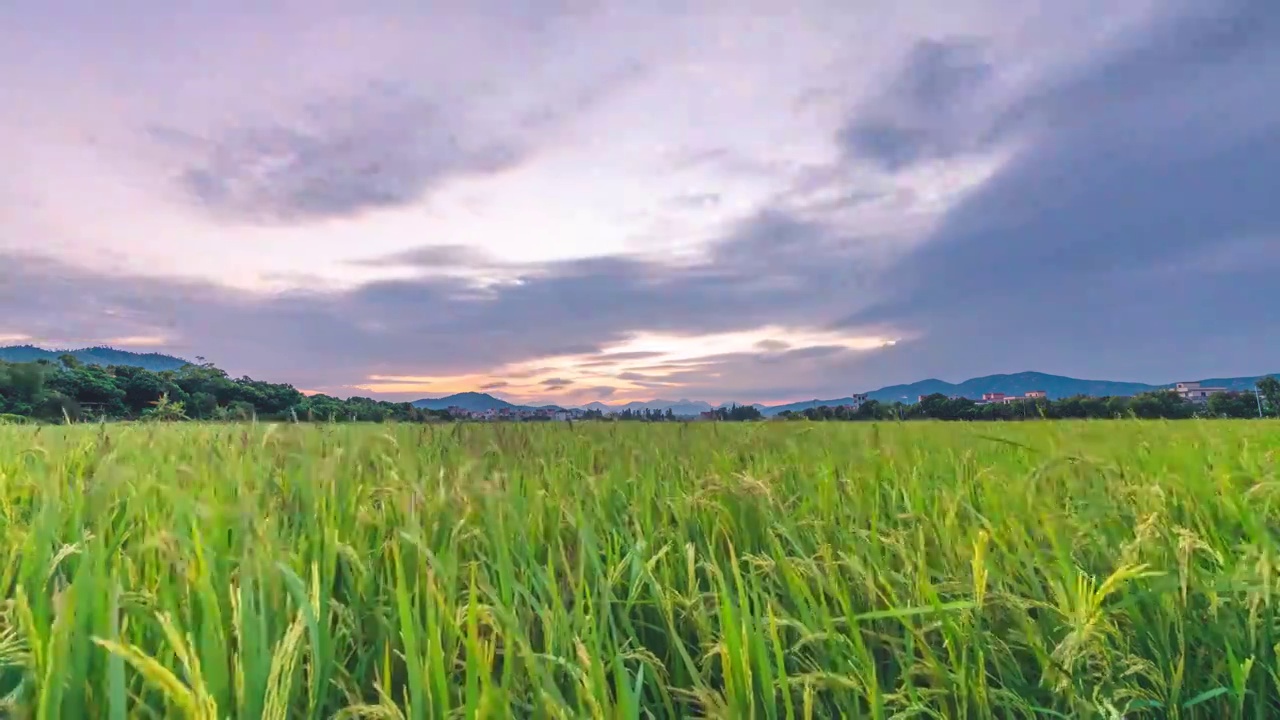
<point x="1195" y="392"/>
<point x="993" y="398"/>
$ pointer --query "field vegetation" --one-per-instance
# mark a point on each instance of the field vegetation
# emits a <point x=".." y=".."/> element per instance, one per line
<point x="1090" y="569"/>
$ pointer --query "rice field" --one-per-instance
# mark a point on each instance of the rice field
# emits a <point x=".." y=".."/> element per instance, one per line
<point x="775" y="570"/>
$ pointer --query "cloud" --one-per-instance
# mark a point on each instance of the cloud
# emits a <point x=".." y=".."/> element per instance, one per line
<point x="922" y="113"/>
<point x="379" y="148"/>
<point x="695" y="201"/>
<point x="768" y="271"/>
<point x="772" y="345"/>
<point x="1099" y="248"/>
<point x="639" y="376"/>
<point x="382" y="146"/>
<point x="439" y="257"/>
<point x="614" y="358"/>
<point x="1070" y="197"/>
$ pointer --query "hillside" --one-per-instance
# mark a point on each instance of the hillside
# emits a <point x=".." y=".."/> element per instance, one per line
<point x="1240" y="384"/>
<point x="156" y="362"/>
<point x="475" y="402"/>
<point x="471" y="401"/>
<point x="1056" y="386"/>
<point x="479" y="402"/>
<point x="770" y="410"/>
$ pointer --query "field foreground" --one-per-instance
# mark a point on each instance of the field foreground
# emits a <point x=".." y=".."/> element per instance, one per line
<point x="1087" y="569"/>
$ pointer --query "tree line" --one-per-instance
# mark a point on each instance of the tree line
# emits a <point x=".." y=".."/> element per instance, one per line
<point x="71" y="390"/>
<point x="75" y="391"/>
<point x="728" y="413"/>
<point x="1159" y="404"/>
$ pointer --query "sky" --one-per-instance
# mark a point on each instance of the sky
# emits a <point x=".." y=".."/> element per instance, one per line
<point x="595" y="200"/>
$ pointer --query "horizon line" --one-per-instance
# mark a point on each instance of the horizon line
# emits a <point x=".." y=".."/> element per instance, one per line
<point x="546" y="403"/>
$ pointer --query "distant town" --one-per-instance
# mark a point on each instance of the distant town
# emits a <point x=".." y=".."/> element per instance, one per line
<point x="517" y="413"/>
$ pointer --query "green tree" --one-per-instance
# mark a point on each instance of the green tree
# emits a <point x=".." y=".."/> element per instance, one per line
<point x="90" y="386"/>
<point x="142" y="389"/>
<point x="1161" y="404"/>
<point x="164" y="409"/>
<point x="1232" y="405"/>
<point x="1269" y="388"/>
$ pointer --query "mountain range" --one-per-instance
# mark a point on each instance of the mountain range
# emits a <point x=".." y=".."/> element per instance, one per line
<point x="1056" y="386"/>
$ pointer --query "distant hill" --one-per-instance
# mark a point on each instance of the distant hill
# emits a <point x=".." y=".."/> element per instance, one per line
<point x="475" y="402"/>
<point x="156" y="362"/>
<point x="1240" y="384"/>
<point x="1056" y="386"/>
<point x="472" y="401"/>
<point x="771" y="410"/>
<point x="479" y="402"/>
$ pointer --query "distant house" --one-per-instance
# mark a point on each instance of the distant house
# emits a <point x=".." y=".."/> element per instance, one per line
<point x="1195" y="392"/>
<point x="993" y="398"/>
<point x="920" y="399"/>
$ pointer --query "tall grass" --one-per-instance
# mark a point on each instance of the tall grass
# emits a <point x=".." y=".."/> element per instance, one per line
<point x="1039" y="570"/>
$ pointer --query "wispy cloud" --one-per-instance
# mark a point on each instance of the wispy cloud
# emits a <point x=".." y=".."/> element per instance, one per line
<point x="384" y="147"/>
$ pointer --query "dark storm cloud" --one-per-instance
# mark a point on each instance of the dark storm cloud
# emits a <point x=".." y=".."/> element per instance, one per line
<point x="1100" y="248"/>
<point x="922" y="113"/>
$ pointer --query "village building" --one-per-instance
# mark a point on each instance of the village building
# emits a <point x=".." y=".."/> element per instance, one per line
<point x="1195" y="392"/>
<point x="993" y="398"/>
